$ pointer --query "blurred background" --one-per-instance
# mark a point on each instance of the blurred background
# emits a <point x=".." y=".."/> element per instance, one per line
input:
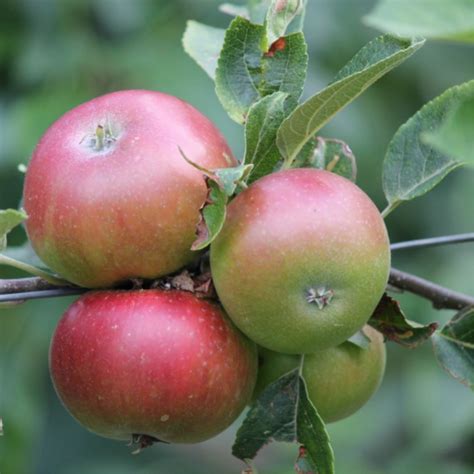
<point x="55" y="54"/>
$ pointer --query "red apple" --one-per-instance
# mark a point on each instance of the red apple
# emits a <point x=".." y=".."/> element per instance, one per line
<point x="148" y="362"/>
<point x="302" y="260"/>
<point x="108" y="193"/>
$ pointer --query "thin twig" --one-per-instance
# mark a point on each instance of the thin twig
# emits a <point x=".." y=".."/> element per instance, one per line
<point x="22" y="289"/>
<point x="440" y="296"/>
<point x="32" y="288"/>
<point x="24" y="284"/>
<point x="32" y="295"/>
<point x="434" y="241"/>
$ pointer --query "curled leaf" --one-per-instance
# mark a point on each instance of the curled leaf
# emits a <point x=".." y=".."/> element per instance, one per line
<point x="212" y="215"/>
<point x="221" y="184"/>
<point x="280" y="15"/>
<point x="9" y="219"/>
<point x="388" y="318"/>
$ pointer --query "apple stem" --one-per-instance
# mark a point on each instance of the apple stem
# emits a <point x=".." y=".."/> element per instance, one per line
<point x="390" y="208"/>
<point x="32" y="270"/>
<point x="100" y="135"/>
<point x="300" y="367"/>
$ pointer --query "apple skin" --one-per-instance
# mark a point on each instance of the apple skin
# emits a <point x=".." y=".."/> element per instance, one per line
<point x="97" y="217"/>
<point x="165" y="364"/>
<point x="287" y="237"/>
<point x="340" y="380"/>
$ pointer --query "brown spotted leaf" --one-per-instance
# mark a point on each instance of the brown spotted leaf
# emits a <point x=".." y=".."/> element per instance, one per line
<point x="183" y="281"/>
<point x="388" y="318"/>
<point x="203" y="286"/>
<point x="249" y="68"/>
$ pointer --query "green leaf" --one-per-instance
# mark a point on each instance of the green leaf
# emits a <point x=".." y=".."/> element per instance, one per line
<point x="9" y="219"/>
<point x="230" y="179"/>
<point x="445" y="19"/>
<point x="388" y="318"/>
<point x="298" y="21"/>
<point x="271" y="418"/>
<point x="235" y="10"/>
<point x="373" y="61"/>
<point x="283" y="412"/>
<point x="360" y="339"/>
<point x="247" y="70"/>
<point x="203" y="43"/>
<point x="258" y="10"/>
<point x="411" y="167"/>
<point x="455" y="137"/>
<point x="312" y="433"/>
<point x="239" y="68"/>
<point x="263" y="121"/>
<point x="213" y="215"/>
<point x="280" y="15"/>
<point x="454" y="347"/>
<point x="284" y="67"/>
<point x="329" y="154"/>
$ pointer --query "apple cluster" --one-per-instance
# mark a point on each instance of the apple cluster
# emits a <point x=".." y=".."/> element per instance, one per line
<point x="299" y="266"/>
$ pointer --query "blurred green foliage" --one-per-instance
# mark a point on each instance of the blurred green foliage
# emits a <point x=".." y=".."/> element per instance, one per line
<point x="55" y="54"/>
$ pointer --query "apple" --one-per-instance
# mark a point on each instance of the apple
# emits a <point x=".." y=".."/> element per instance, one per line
<point x="302" y="260"/>
<point x="340" y="380"/>
<point x="164" y="365"/>
<point x="109" y="195"/>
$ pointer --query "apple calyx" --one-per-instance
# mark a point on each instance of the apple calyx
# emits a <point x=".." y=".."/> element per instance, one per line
<point x="143" y="441"/>
<point x="321" y="296"/>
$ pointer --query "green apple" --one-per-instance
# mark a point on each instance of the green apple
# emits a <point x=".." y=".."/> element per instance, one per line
<point x="340" y="380"/>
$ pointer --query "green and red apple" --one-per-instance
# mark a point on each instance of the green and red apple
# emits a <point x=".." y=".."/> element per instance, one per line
<point x="302" y="260"/>
<point x="109" y="195"/>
